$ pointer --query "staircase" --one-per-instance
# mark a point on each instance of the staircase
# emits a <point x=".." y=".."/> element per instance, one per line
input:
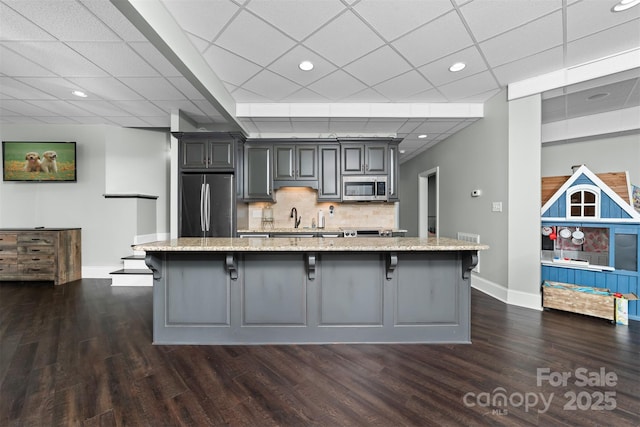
<point x="133" y="273"/>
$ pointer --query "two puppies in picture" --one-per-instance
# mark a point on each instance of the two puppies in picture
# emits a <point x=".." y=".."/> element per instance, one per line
<point x="47" y="163"/>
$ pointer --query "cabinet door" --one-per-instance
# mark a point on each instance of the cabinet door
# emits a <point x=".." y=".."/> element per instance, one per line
<point x="193" y="154"/>
<point x="257" y="173"/>
<point x="393" y="172"/>
<point x="306" y="163"/>
<point x="376" y="159"/>
<point x="284" y="162"/>
<point x="352" y="159"/>
<point x="329" y="185"/>
<point x="220" y="155"/>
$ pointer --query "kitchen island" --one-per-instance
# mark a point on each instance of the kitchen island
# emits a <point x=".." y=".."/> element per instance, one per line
<point x="311" y="290"/>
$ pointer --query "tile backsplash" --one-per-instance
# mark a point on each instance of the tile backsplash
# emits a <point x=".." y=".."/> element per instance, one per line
<point x="304" y="199"/>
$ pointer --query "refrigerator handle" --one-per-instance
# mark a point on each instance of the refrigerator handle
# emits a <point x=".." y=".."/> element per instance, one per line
<point x="202" y="207"/>
<point x="208" y="207"/>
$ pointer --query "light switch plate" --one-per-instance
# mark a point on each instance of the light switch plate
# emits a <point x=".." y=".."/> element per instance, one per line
<point x="496" y="207"/>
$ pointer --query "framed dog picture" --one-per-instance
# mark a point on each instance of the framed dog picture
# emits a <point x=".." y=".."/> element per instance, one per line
<point x="39" y="161"/>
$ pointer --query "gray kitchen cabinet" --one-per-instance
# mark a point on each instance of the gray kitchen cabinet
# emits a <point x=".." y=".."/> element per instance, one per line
<point x="329" y="182"/>
<point x="295" y="162"/>
<point x="394" y="174"/>
<point x="258" y="176"/>
<point x="199" y="152"/>
<point x="364" y="158"/>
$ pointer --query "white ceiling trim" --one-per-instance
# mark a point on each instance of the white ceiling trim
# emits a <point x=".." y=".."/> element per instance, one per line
<point x="623" y="61"/>
<point x="368" y="110"/>
<point x="624" y="120"/>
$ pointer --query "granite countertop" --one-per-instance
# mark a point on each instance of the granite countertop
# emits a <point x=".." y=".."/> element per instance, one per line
<point x="303" y="230"/>
<point x="295" y="244"/>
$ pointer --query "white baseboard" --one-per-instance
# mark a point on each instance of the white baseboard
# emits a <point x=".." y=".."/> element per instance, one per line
<point x="146" y="238"/>
<point x="511" y="297"/>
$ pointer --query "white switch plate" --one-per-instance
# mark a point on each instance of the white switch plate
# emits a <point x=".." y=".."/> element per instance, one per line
<point x="496" y="207"/>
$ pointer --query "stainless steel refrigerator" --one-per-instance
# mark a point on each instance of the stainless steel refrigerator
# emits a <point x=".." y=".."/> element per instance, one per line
<point x="207" y="205"/>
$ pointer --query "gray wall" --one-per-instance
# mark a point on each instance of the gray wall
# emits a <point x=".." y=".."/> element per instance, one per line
<point x="475" y="158"/>
<point x="109" y="160"/>
<point x="601" y="155"/>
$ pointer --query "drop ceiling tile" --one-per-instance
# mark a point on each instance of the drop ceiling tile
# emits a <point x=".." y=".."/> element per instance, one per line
<point x="304" y="96"/>
<point x="61" y="17"/>
<point x="478" y="83"/>
<point x="423" y="45"/>
<point x="251" y="38"/>
<point x="348" y="127"/>
<point x="588" y="17"/>
<point x="296" y="18"/>
<point x="154" y="58"/>
<point x="395" y="18"/>
<point x="249" y="125"/>
<point x="58" y="87"/>
<point x="410" y="126"/>
<point x="200" y="44"/>
<point x="153" y="88"/>
<point x="42" y="59"/>
<point x="607" y="42"/>
<point x="24" y="108"/>
<point x="401" y="87"/>
<point x="158" y="122"/>
<point x="202" y="18"/>
<point x="208" y="109"/>
<point x="531" y="66"/>
<point x="184" y="86"/>
<point x="185" y="105"/>
<point x="437" y="72"/>
<point x="14" y="26"/>
<point x="344" y="39"/>
<point x="114" y="19"/>
<point x="367" y="95"/>
<point x="377" y="66"/>
<point x="99" y="108"/>
<point x="271" y="85"/>
<point x="242" y="95"/>
<point x="107" y="88"/>
<point x="57" y="120"/>
<point x="230" y="67"/>
<point x="487" y="18"/>
<point x="139" y="108"/>
<point x="429" y="96"/>
<point x="287" y="66"/>
<point x="337" y="85"/>
<point x="117" y="58"/>
<point x="129" y="121"/>
<point x="535" y="37"/>
<point x="382" y="125"/>
<point x="480" y="97"/>
<point x="16" y="89"/>
<point x="91" y="120"/>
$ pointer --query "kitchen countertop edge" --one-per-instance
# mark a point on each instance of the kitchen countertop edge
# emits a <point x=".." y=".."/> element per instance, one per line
<point x="319" y="244"/>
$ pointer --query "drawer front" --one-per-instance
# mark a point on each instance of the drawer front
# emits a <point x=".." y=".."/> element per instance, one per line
<point x="8" y="239"/>
<point x="36" y="271"/>
<point x="10" y="269"/>
<point x="8" y="251"/>
<point x="7" y="258"/>
<point x="32" y="239"/>
<point x="35" y="250"/>
<point x="37" y="259"/>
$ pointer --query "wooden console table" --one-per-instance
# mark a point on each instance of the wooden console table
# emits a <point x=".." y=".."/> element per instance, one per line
<point x="40" y="254"/>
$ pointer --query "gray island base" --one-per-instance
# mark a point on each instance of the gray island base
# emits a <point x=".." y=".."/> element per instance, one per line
<point x="311" y="290"/>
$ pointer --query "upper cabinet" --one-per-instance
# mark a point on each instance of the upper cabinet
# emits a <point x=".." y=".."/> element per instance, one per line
<point x="394" y="173"/>
<point x="329" y="182"/>
<point x="206" y="152"/>
<point x="365" y="158"/>
<point x="294" y="162"/>
<point x="258" y="176"/>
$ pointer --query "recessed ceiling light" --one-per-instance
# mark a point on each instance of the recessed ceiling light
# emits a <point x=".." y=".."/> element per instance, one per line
<point x="424" y="135"/>
<point x="306" y="66"/>
<point x="624" y="5"/>
<point x="597" y="96"/>
<point x="459" y="66"/>
<point x="79" y="93"/>
<point x="401" y="151"/>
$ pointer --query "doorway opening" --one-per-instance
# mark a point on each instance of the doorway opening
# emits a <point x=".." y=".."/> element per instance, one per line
<point x="429" y="203"/>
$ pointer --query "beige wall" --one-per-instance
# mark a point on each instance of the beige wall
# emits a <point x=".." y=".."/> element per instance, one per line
<point x="360" y="215"/>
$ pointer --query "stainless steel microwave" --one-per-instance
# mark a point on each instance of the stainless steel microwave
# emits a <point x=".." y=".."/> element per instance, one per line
<point x="364" y="188"/>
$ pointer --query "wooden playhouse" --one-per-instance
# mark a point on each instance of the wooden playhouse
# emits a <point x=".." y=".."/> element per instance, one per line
<point x="591" y="242"/>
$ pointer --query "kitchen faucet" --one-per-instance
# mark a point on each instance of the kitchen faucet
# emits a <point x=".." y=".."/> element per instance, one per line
<point x="296" y="221"/>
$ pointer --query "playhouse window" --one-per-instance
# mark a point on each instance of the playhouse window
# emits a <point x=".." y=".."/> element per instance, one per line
<point x="583" y="202"/>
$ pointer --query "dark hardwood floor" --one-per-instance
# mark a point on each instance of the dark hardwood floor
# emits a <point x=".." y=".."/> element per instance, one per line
<point x="81" y="354"/>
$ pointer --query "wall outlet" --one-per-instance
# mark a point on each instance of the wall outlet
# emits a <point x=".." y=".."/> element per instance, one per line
<point x="496" y="207"/>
